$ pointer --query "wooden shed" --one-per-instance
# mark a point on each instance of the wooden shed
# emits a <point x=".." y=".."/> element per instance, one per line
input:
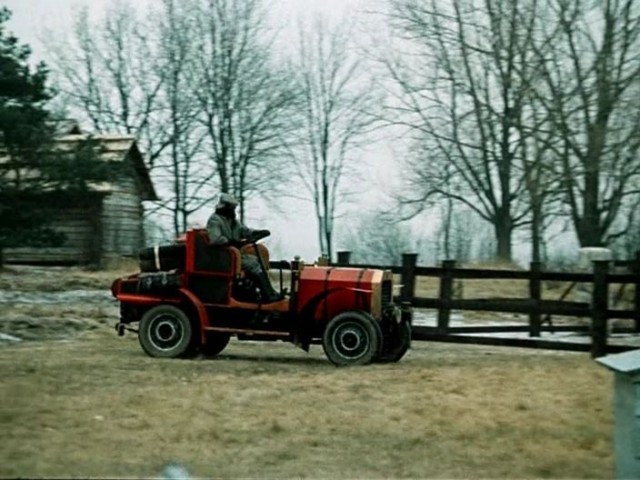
<point x="108" y="221"/>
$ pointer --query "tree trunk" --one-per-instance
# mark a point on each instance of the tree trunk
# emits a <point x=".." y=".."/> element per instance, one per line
<point x="447" y="228"/>
<point x="328" y="240"/>
<point x="503" y="228"/>
<point x="536" y="231"/>
<point x="589" y="228"/>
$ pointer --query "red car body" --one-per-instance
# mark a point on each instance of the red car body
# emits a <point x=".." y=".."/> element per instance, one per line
<point x="196" y="300"/>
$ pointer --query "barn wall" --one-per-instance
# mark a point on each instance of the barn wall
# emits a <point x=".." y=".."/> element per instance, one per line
<point x="79" y="224"/>
<point x="121" y="217"/>
<point x="108" y="222"/>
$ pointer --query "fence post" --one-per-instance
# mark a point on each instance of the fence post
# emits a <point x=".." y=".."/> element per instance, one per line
<point x="635" y="268"/>
<point x="446" y="289"/>
<point x="599" y="306"/>
<point x="408" y="276"/>
<point x="535" y="293"/>
<point x="344" y="257"/>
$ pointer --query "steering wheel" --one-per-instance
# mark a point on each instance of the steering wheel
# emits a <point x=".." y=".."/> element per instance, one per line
<point x="256" y="235"/>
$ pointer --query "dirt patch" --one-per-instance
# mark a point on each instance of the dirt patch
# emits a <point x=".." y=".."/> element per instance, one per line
<point x="53" y="303"/>
<point x="57" y="279"/>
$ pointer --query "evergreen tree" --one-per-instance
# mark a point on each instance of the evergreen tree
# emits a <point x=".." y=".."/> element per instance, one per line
<point x="32" y="175"/>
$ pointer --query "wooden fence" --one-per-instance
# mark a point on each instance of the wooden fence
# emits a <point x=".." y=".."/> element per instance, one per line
<point x="598" y="309"/>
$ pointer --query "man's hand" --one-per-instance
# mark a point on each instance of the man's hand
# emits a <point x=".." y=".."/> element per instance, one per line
<point x="238" y="243"/>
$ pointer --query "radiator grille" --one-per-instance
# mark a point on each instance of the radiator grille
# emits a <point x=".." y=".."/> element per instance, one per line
<point x="387" y="293"/>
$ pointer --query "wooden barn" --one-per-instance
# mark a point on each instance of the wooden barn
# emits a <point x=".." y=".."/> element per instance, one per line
<point x="105" y="223"/>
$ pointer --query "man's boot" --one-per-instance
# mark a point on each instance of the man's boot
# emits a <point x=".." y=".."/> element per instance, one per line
<point x="267" y="292"/>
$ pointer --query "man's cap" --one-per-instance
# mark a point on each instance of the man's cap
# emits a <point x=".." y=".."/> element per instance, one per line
<point x="227" y="200"/>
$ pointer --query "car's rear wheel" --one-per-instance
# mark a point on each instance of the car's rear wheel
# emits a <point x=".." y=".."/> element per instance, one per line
<point x="352" y="338"/>
<point x="397" y="344"/>
<point x="165" y="331"/>
<point x="216" y="343"/>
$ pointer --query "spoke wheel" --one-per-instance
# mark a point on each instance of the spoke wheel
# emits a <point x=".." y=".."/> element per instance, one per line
<point x="351" y="338"/>
<point x="165" y="331"/>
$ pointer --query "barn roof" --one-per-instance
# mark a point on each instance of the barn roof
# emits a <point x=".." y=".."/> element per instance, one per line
<point x="112" y="148"/>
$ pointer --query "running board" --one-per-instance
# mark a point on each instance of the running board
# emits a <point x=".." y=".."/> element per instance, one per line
<point x="270" y="333"/>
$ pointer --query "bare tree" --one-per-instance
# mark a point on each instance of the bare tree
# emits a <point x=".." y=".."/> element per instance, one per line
<point x="591" y="91"/>
<point x="246" y="101"/>
<point x="337" y="101"/>
<point x="196" y="82"/>
<point x="454" y="238"/>
<point x="377" y="238"/>
<point x="628" y="245"/>
<point x="105" y="72"/>
<point x="461" y="89"/>
<point x="128" y="74"/>
<point x="180" y="168"/>
<point x="535" y="133"/>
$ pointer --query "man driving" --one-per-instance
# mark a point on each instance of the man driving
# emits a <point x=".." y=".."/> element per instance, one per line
<point x="225" y="229"/>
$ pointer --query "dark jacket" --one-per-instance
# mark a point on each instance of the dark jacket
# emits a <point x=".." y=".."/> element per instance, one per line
<point x="223" y="231"/>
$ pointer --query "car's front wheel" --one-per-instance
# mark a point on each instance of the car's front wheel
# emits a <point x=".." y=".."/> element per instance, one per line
<point x="352" y="338"/>
<point x="165" y="331"/>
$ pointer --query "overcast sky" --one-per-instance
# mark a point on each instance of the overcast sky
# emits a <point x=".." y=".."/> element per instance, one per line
<point x="295" y="231"/>
<point x="32" y="17"/>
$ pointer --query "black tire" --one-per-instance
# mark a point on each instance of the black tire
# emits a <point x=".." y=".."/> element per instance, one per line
<point x="351" y="338"/>
<point x="166" y="332"/>
<point x="397" y="344"/>
<point x="216" y="343"/>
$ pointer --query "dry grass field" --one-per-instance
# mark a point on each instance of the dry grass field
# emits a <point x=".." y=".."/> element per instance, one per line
<point x="77" y="401"/>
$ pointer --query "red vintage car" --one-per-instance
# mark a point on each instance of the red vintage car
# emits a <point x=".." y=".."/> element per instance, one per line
<point x="192" y="297"/>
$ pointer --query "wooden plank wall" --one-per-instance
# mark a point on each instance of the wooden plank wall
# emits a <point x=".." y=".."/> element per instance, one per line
<point x="78" y="224"/>
<point x="121" y="220"/>
<point x="105" y="227"/>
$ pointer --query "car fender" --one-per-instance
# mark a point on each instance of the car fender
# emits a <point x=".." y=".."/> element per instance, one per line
<point x="144" y="299"/>
<point x="328" y="303"/>
<point x="184" y="297"/>
<point x="203" y="317"/>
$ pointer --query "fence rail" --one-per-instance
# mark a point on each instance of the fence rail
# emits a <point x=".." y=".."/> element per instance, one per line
<point x="598" y="309"/>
